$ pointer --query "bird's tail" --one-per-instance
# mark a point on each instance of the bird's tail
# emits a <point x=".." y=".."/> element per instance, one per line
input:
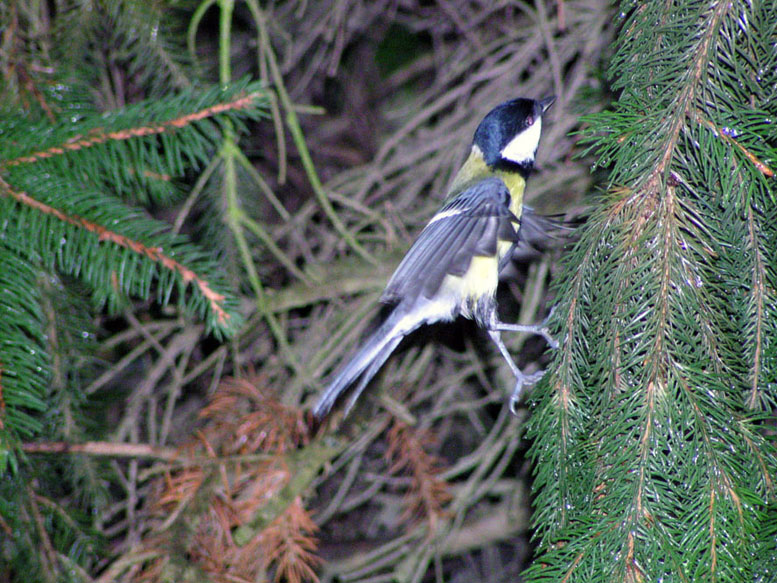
<point x="363" y="365"/>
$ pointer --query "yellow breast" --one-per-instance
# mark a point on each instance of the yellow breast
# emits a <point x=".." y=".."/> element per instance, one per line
<point x="515" y="184"/>
<point x="482" y="276"/>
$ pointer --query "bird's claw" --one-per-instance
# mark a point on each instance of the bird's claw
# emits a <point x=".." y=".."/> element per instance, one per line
<point x="545" y="331"/>
<point x="552" y="342"/>
<point x="523" y="380"/>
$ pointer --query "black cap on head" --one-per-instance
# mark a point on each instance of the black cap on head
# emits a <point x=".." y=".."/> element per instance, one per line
<point x="506" y="121"/>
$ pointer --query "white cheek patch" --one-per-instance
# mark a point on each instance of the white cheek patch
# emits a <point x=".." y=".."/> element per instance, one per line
<point x="523" y="146"/>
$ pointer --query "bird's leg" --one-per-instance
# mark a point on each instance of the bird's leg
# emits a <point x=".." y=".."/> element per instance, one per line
<point x="539" y="329"/>
<point x="521" y="378"/>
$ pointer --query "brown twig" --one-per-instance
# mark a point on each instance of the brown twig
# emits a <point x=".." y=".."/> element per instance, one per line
<point x="103" y="448"/>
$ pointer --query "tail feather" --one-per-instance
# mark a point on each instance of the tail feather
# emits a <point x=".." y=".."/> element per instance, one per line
<point x="377" y="362"/>
<point x="363" y="365"/>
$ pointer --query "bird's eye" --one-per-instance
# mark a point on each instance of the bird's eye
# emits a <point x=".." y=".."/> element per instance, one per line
<point x="529" y="121"/>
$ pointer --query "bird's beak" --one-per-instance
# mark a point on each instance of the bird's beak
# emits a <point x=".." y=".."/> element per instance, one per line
<point x="546" y="103"/>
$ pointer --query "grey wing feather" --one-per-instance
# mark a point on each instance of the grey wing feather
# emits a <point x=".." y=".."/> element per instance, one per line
<point x="469" y="225"/>
<point x="538" y="232"/>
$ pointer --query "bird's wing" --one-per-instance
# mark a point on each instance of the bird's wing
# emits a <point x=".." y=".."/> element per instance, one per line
<point x="469" y="225"/>
<point x="538" y="233"/>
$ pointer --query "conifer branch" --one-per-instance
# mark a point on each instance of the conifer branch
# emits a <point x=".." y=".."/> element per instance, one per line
<point x="155" y="254"/>
<point x="244" y="512"/>
<point x="48" y="555"/>
<point x="428" y="492"/>
<point x="100" y="136"/>
<point x="664" y="315"/>
<point x="763" y="168"/>
<point x="288" y="542"/>
<point x="758" y="295"/>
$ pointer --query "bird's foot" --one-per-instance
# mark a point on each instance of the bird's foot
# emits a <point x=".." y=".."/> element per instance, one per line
<point x="538" y="329"/>
<point x="523" y="380"/>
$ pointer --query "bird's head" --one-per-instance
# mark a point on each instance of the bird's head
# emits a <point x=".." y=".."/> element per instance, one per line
<point x="508" y="136"/>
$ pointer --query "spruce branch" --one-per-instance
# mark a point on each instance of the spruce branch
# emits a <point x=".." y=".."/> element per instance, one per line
<point x="648" y="432"/>
<point x="724" y="135"/>
<point x="23" y="353"/>
<point x="101" y="135"/>
<point x="759" y="297"/>
<point x="65" y="190"/>
<point x="139" y="151"/>
<point x="181" y="136"/>
<point x="102" y="448"/>
<point x="155" y="254"/>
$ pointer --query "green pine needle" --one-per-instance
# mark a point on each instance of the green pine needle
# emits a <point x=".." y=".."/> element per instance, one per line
<point x="652" y="460"/>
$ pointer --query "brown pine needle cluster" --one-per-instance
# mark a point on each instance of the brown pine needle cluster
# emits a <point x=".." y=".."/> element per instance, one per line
<point x="287" y="543"/>
<point x="232" y="477"/>
<point x="428" y="493"/>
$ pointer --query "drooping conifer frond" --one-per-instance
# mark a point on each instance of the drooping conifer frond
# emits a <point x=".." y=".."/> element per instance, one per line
<point x="66" y="196"/>
<point x="23" y="347"/>
<point x="651" y="459"/>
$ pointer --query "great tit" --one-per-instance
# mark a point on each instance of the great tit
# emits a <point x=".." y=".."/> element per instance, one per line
<point x="453" y="267"/>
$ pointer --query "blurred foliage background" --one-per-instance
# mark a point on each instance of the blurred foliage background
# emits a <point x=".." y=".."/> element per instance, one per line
<point x="370" y="107"/>
<point x="160" y="443"/>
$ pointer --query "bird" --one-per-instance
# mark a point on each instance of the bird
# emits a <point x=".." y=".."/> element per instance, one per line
<point x="452" y="268"/>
